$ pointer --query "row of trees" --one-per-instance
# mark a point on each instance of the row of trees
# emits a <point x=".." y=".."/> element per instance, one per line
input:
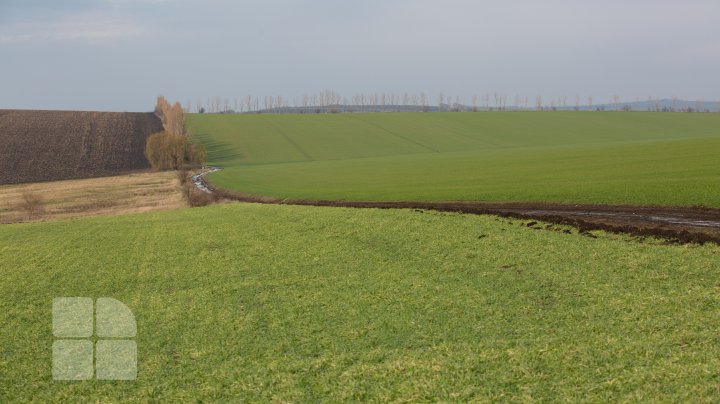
<point x="172" y="148"/>
<point x="332" y="102"/>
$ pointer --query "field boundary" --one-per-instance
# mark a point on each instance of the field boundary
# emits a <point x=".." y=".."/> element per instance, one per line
<point x="674" y="224"/>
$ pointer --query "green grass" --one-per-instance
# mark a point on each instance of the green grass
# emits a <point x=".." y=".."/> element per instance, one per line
<point x="587" y="157"/>
<point x="287" y="303"/>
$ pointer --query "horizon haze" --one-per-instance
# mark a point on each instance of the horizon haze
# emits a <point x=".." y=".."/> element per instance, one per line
<point x="118" y="55"/>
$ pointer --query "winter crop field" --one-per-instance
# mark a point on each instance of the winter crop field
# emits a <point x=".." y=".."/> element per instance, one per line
<point x="316" y="201"/>
<point x="249" y="302"/>
<point x="569" y="157"/>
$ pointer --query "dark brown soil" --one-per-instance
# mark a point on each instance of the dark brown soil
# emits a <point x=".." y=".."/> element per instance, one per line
<point x="675" y="224"/>
<point x="54" y="145"/>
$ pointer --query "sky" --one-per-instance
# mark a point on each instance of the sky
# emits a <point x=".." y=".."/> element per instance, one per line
<point x="118" y="55"/>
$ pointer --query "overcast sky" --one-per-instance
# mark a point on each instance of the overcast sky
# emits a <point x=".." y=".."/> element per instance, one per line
<point x="120" y="54"/>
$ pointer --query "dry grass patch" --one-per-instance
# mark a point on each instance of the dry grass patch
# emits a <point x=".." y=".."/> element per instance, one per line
<point x="140" y="192"/>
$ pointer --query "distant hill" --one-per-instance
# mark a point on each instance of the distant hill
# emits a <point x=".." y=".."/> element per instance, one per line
<point x="53" y="145"/>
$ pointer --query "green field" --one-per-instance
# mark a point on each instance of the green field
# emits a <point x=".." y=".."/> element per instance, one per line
<point x="586" y="157"/>
<point x="288" y="303"/>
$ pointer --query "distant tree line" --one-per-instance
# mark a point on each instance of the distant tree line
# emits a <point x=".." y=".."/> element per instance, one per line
<point x="172" y="149"/>
<point x="333" y="102"/>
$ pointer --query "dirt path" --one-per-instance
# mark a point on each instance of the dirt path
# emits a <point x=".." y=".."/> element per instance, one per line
<point x="677" y="224"/>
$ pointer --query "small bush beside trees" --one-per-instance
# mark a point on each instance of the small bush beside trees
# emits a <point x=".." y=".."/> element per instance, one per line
<point x="196" y="197"/>
<point x="192" y="195"/>
<point x="31" y="203"/>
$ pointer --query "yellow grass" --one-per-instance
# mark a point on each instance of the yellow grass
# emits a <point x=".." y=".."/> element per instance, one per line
<point x="140" y="192"/>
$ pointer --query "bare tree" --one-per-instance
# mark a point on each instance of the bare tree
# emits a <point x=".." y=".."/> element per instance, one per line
<point x="498" y="101"/>
<point x="161" y="105"/>
<point x="248" y="103"/>
<point x="171" y="116"/>
<point x="373" y="101"/>
<point x="267" y="103"/>
<point x="217" y="102"/>
<point x="174" y="120"/>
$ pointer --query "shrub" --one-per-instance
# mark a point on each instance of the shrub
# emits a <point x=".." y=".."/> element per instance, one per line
<point x="31" y="203"/>
<point x="196" y="197"/>
<point x="165" y="151"/>
<point x="196" y="153"/>
<point x="182" y="175"/>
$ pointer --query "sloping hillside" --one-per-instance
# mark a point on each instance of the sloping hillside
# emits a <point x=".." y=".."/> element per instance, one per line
<point x="547" y="156"/>
<point x="54" y="145"/>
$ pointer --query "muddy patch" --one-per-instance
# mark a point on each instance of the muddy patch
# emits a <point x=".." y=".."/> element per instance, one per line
<point x="674" y="224"/>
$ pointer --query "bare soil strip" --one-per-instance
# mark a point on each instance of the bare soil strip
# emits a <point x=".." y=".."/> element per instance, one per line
<point x="675" y="224"/>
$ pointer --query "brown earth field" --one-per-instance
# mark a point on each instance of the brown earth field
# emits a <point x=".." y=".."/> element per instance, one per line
<point x="132" y="193"/>
<point x="674" y="224"/>
<point x="56" y="145"/>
